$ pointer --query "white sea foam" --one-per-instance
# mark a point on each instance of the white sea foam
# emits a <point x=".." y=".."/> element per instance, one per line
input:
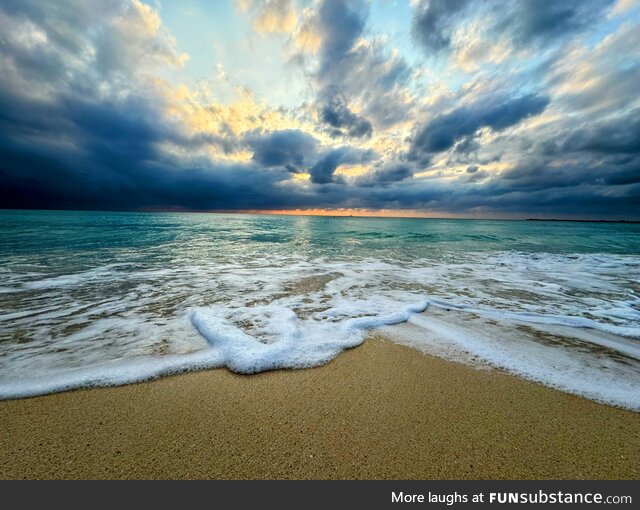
<point x="72" y="279"/>
<point x="112" y="325"/>
<point x="588" y="373"/>
<point x="299" y="344"/>
<point x="558" y="320"/>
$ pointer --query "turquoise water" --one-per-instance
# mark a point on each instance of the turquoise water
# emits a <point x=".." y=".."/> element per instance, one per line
<point x="92" y="298"/>
<point x="85" y="237"/>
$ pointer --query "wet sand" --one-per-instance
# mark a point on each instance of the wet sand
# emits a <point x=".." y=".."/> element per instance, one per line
<point x="378" y="411"/>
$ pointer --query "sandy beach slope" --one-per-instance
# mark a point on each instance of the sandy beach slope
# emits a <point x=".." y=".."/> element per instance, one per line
<point x="378" y="411"/>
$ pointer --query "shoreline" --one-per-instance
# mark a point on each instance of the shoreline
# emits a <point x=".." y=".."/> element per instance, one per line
<point x="380" y="410"/>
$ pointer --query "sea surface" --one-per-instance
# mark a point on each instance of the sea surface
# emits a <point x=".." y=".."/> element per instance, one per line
<point x="105" y="298"/>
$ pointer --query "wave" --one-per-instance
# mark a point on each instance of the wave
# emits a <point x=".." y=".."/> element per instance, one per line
<point x="560" y="320"/>
<point x="270" y="311"/>
<point x="300" y="346"/>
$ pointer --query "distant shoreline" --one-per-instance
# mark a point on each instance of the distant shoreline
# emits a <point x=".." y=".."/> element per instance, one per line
<point x="584" y="221"/>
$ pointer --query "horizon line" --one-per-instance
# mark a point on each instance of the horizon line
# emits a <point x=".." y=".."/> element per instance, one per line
<point x="343" y="213"/>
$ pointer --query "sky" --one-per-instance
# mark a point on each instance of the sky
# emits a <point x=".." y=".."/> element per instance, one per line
<point x="450" y="108"/>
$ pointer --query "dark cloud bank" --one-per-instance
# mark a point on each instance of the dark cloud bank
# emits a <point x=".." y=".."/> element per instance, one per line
<point x="65" y="143"/>
<point x="526" y="22"/>
<point x="496" y="112"/>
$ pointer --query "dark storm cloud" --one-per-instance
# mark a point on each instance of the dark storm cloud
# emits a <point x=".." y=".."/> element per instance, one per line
<point x="433" y="21"/>
<point x="322" y="172"/>
<point x="139" y="176"/>
<point x="628" y="173"/>
<point x="370" y="74"/>
<point x="115" y="163"/>
<point x="341" y="23"/>
<point x="524" y="21"/>
<point x="78" y="132"/>
<point x="299" y="152"/>
<point x="467" y="145"/>
<point x="337" y="115"/>
<point x="72" y="140"/>
<point x="497" y="113"/>
<point x="81" y="128"/>
<point x="538" y="175"/>
<point x="289" y="147"/>
<point x="476" y="176"/>
<point x="385" y="175"/>
<point x="88" y="154"/>
<point x="63" y="22"/>
<point x="543" y="21"/>
<point x="533" y="188"/>
<point x="613" y="136"/>
<point x="32" y="180"/>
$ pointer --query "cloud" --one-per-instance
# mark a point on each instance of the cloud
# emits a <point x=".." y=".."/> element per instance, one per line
<point x="611" y="136"/>
<point x="341" y="23"/>
<point x="82" y="128"/>
<point x="134" y="41"/>
<point x="539" y="21"/>
<point x="356" y="70"/>
<point x="109" y="155"/>
<point x="597" y="80"/>
<point x="290" y="148"/>
<point x="385" y="174"/>
<point x="495" y="112"/>
<point x="538" y="175"/>
<point x="433" y="22"/>
<point x="436" y="23"/>
<point x="466" y="145"/>
<point x="89" y="117"/>
<point x="337" y="115"/>
<point x="322" y="172"/>
<point x="272" y="16"/>
<point x="474" y="174"/>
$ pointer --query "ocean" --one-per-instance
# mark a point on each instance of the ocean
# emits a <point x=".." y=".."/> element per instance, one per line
<point x="107" y="298"/>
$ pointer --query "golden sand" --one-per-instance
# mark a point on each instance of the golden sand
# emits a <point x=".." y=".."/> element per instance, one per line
<point x="378" y="411"/>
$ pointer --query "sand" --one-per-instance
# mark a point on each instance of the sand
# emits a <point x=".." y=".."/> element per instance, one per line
<point x="378" y="411"/>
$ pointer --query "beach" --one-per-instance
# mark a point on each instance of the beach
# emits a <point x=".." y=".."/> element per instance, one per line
<point x="320" y="239"/>
<point x="379" y="411"/>
<point x="139" y="296"/>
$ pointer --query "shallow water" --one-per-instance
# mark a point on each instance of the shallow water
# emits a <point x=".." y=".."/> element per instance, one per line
<point x="95" y="298"/>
